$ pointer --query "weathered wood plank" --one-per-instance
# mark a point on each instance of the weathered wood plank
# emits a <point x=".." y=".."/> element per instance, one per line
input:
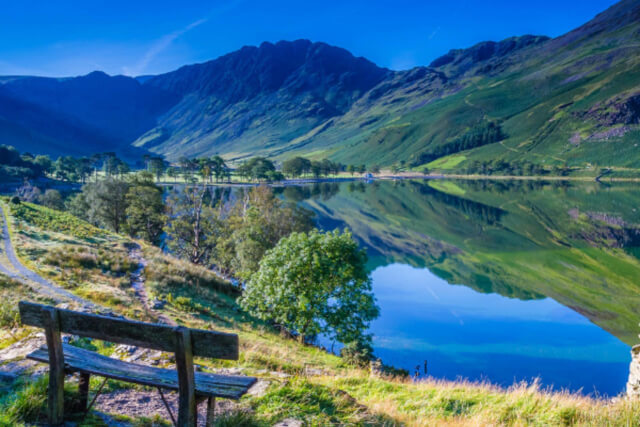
<point x="206" y="384"/>
<point x="83" y="390"/>
<point x="187" y="409"/>
<point x="211" y="410"/>
<point x="212" y="344"/>
<point x="55" y="408"/>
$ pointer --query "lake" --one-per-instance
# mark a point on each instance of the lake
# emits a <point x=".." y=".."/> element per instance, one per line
<point x="497" y="281"/>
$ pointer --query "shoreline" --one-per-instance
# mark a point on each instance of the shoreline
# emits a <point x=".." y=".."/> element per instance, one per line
<point x="47" y="183"/>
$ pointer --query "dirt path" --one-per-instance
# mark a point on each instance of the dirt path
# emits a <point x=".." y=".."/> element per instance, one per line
<point x="29" y="277"/>
<point x="137" y="283"/>
<point x="139" y="403"/>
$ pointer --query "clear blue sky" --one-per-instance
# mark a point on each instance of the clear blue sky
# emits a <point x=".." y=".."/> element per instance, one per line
<point x="133" y="37"/>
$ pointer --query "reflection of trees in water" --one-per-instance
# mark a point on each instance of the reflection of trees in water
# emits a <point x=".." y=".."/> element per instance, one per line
<point x="486" y="213"/>
<point x="322" y="190"/>
<point x="510" y="186"/>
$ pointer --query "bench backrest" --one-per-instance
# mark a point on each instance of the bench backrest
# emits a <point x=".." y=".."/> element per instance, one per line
<point x="211" y="344"/>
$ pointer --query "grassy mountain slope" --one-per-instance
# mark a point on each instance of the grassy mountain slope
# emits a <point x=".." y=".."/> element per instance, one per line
<point x="572" y="99"/>
<point x="256" y="99"/>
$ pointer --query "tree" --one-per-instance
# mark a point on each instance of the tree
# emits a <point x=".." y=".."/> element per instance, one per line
<point x="145" y="209"/>
<point x="157" y="166"/>
<point x="52" y="199"/>
<point x="107" y="202"/>
<point x="258" y="168"/>
<point x="316" y="169"/>
<point x="375" y="169"/>
<point x="256" y="223"/>
<point x="351" y="169"/>
<point x="65" y="168"/>
<point x="193" y="226"/>
<point x="219" y="167"/>
<point x="45" y="163"/>
<point x="172" y="173"/>
<point x="295" y="167"/>
<point x="313" y="283"/>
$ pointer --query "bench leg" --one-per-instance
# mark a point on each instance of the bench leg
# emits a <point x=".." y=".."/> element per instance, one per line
<point x="83" y="390"/>
<point x="55" y="403"/>
<point x="211" y="408"/>
<point x="187" y="409"/>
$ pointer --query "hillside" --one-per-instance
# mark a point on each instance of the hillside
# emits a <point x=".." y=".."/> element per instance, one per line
<point x="297" y="382"/>
<point x="571" y="100"/>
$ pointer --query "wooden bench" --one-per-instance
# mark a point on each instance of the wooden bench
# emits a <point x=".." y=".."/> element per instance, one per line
<point x="184" y="342"/>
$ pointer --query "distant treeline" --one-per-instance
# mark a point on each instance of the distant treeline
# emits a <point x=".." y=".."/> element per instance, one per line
<point x="501" y="167"/>
<point x="481" y="134"/>
<point x="14" y="166"/>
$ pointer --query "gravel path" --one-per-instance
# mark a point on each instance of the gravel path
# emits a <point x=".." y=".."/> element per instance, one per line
<point x="139" y="403"/>
<point x="30" y="277"/>
<point x="137" y="283"/>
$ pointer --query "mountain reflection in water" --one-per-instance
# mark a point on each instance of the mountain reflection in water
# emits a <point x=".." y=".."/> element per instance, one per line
<point x="548" y="273"/>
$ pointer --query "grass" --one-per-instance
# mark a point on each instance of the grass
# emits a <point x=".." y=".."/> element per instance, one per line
<point x="53" y="220"/>
<point x="432" y="402"/>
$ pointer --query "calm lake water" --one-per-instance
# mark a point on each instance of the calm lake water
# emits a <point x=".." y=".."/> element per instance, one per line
<point x="500" y="282"/>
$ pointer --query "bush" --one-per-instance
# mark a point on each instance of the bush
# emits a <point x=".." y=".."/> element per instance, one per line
<point x="112" y="261"/>
<point x="358" y="353"/>
<point x="9" y="315"/>
<point x="169" y="273"/>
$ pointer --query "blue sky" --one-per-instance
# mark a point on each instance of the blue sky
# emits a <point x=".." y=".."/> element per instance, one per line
<point x="67" y="38"/>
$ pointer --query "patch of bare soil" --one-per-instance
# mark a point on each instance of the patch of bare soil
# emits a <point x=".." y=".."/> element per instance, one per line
<point x="136" y="403"/>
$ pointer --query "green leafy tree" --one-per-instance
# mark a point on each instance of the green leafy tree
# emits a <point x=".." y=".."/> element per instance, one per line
<point x="157" y="166"/>
<point x="107" y="202"/>
<point x="145" y="209"/>
<point x="193" y="226"/>
<point x="256" y="223"/>
<point x="313" y="283"/>
<point x="219" y="167"/>
<point x="45" y="163"/>
<point x="172" y="173"/>
<point x="296" y="166"/>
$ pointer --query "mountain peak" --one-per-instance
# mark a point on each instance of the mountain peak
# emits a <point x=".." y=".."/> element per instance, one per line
<point x="299" y="66"/>
<point x="458" y="61"/>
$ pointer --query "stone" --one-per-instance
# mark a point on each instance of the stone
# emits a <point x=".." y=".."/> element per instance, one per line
<point x="289" y="422"/>
<point x="21" y="348"/>
<point x="158" y="304"/>
<point x="633" y="384"/>
<point x="279" y="374"/>
<point x="125" y="349"/>
<point x="259" y="388"/>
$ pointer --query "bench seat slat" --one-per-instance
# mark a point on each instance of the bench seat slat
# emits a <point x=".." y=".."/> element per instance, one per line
<point x="78" y="359"/>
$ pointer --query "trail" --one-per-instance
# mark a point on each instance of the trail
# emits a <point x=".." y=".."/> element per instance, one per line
<point x="31" y="278"/>
<point x="137" y="283"/>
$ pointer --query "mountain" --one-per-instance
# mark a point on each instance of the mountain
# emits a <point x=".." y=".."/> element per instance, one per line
<point x="258" y="98"/>
<point x="87" y="114"/>
<point x="574" y="100"/>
